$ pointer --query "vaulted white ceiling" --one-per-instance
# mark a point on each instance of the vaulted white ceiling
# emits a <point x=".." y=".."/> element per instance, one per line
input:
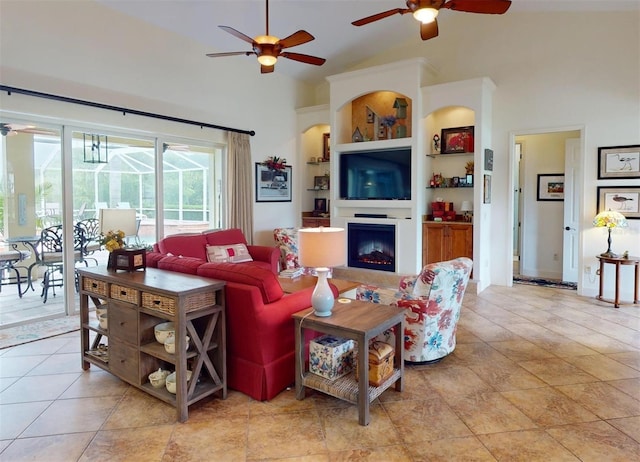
<point x="341" y="43"/>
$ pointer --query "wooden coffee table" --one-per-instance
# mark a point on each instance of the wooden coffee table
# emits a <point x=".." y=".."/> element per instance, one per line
<point x="360" y="321"/>
<point x="291" y="285"/>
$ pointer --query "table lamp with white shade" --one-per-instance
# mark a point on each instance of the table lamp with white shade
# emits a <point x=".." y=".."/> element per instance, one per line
<point x="321" y="249"/>
<point x="609" y="219"/>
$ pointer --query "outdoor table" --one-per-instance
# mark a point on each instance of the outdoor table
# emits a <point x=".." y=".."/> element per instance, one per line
<point x="32" y="243"/>
<point x="8" y="259"/>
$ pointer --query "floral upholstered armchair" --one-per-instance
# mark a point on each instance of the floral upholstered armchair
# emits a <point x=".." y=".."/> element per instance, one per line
<point x="287" y="241"/>
<point x="432" y="302"/>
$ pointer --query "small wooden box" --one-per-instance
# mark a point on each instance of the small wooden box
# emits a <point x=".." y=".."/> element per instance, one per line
<point x="127" y="259"/>
<point x="381" y="356"/>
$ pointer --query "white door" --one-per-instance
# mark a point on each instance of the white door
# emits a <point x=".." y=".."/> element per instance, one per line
<point x="572" y="201"/>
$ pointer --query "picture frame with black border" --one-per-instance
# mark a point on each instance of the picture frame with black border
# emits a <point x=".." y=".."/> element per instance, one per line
<point x="273" y="185"/>
<point x="469" y="179"/>
<point x="456" y="182"/>
<point x="321" y="182"/>
<point x="320" y="205"/>
<point x="623" y="199"/>
<point x="550" y="187"/>
<point x="456" y="140"/>
<point x="326" y="147"/>
<point x="619" y="162"/>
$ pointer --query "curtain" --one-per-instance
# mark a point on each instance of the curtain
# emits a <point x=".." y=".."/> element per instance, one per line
<point x="239" y="186"/>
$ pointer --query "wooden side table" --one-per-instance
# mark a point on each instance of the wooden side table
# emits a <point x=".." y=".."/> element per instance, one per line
<point x="359" y="321"/>
<point x="619" y="261"/>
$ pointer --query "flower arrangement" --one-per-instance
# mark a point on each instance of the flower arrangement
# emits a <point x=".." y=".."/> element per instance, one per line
<point x="113" y="240"/>
<point x="388" y="120"/>
<point x="275" y="163"/>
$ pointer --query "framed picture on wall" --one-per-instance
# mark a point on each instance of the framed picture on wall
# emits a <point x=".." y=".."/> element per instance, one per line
<point x="487" y="189"/>
<point x="326" y="147"/>
<point x="456" y="140"/>
<point x="273" y="185"/>
<point x="488" y="160"/>
<point x="621" y="162"/>
<point x="623" y="199"/>
<point x="550" y="187"/>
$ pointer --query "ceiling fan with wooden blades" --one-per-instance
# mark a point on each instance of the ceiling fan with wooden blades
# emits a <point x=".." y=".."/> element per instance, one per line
<point x="9" y="129"/>
<point x="269" y="48"/>
<point x="426" y="11"/>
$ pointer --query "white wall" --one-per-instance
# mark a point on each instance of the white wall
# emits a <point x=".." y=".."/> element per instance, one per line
<point x="83" y="50"/>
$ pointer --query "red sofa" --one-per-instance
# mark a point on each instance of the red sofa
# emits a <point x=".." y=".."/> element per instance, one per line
<point x="194" y="245"/>
<point x="260" y="330"/>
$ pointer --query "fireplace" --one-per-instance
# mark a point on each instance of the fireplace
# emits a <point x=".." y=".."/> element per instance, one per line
<point x="371" y="246"/>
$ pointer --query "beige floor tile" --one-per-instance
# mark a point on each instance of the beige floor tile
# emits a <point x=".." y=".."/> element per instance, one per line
<point x="17" y="366"/>
<point x="548" y="407"/>
<point x="15" y="418"/>
<point x="630" y="386"/>
<point x="6" y="382"/>
<point x="290" y="434"/>
<point x="504" y="377"/>
<point x="95" y="383"/>
<point x="472" y="353"/>
<point x="71" y="416"/>
<point x="521" y="350"/>
<point x="46" y="347"/>
<point x="209" y="409"/>
<point x="526" y="446"/>
<point x="426" y="419"/>
<point x="37" y="388"/>
<point x="58" y="364"/>
<point x="386" y="454"/>
<point x="456" y="381"/>
<point x="602" y="399"/>
<point x="603" y="367"/>
<point x="58" y="448"/>
<point x="597" y="441"/>
<point x="137" y="409"/>
<point x="557" y="371"/>
<point x="283" y="402"/>
<point x="221" y="439"/>
<point x="144" y="445"/>
<point x="415" y="385"/>
<point x="489" y="413"/>
<point x="342" y="431"/>
<point x="468" y="449"/>
<point x="630" y="426"/>
<point x="629" y="358"/>
<point x="602" y="343"/>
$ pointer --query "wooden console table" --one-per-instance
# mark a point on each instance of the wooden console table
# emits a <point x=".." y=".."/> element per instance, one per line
<point x="619" y="261"/>
<point x="360" y="321"/>
<point x="136" y="302"/>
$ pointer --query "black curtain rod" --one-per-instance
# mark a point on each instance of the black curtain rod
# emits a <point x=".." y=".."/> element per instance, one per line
<point x="124" y="110"/>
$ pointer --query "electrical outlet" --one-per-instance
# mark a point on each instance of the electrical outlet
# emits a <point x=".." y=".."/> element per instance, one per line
<point x="587" y="270"/>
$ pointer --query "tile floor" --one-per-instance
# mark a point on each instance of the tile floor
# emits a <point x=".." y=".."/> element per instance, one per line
<point x="538" y="375"/>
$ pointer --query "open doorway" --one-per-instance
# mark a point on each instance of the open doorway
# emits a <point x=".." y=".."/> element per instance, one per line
<point x="546" y="178"/>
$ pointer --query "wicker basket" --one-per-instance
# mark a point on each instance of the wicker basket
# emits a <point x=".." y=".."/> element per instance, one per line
<point x="126" y="294"/>
<point x="168" y="305"/>
<point x="94" y="285"/>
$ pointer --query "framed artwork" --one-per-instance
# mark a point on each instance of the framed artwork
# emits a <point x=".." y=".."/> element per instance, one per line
<point x="623" y="199"/>
<point x="550" y="187"/>
<point x="320" y="205"/>
<point x="326" y="145"/>
<point x="487" y="189"/>
<point x="488" y="160"/>
<point x="273" y="185"/>
<point x="619" y="162"/>
<point x="456" y="140"/>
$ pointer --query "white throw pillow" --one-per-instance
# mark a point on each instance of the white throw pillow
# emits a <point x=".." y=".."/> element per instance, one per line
<point x="232" y="253"/>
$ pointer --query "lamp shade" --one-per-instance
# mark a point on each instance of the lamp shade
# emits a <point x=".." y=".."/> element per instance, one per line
<point x="322" y="247"/>
<point x="466" y="206"/>
<point x="610" y="219"/>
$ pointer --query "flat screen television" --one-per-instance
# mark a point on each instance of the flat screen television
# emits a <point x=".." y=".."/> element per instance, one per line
<point x="381" y="175"/>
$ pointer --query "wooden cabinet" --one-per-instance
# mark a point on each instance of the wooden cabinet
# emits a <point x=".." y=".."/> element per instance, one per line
<point x="136" y="302"/>
<point x="315" y="222"/>
<point x="443" y="241"/>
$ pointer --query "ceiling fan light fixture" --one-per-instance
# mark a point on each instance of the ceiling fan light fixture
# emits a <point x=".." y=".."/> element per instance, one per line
<point x="263" y="39"/>
<point x="425" y="15"/>
<point x="267" y="60"/>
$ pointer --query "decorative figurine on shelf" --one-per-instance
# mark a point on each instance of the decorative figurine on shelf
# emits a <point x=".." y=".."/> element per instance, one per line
<point x="469" y="167"/>
<point x="388" y="121"/>
<point x="436" y="144"/>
